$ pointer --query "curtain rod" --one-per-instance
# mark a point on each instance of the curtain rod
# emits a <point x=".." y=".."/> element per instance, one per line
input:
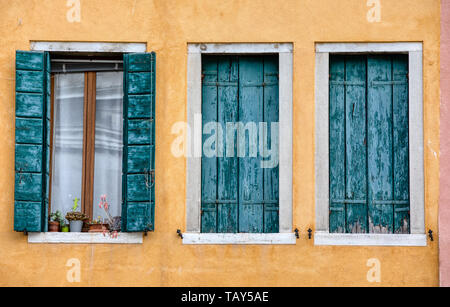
<point x="87" y="61"/>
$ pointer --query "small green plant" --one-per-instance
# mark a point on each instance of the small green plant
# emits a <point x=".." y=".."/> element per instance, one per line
<point x="75" y="204"/>
<point x="98" y="221"/>
<point x="57" y="217"/>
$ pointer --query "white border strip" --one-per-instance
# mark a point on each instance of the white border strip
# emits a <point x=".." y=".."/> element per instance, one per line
<point x="241" y="48"/>
<point x="239" y="238"/>
<point x="84" y="238"/>
<point x="323" y="238"/>
<point x="88" y="47"/>
<point x="368" y="47"/>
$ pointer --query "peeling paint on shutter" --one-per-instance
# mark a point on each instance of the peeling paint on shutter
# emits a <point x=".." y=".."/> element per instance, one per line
<point x="238" y="195"/>
<point x="138" y="205"/>
<point x="369" y="151"/>
<point x="32" y="152"/>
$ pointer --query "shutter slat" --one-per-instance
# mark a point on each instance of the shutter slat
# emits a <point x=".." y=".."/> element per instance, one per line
<point x="139" y="150"/>
<point x="401" y="143"/>
<point x="251" y="100"/>
<point x="380" y="143"/>
<point x="355" y="121"/>
<point x="337" y="143"/>
<point x="209" y="164"/>
<point x="29" y="105"/>
<point x="271" y="173"/>
<point x="227" y="181"/>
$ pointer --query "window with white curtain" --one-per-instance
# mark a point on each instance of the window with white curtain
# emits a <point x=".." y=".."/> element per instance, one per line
<point x="87" y="138"/>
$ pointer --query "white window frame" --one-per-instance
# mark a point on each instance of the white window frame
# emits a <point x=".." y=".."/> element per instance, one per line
<point x="416" y="151"/>
<point x="72" y="237"/>
<point x="193" y="167"/>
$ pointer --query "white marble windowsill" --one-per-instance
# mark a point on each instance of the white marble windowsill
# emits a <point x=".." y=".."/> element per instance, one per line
<point x="84" y="238"/>
<point x="239" y="238"/>
<point x="325" y="238"/>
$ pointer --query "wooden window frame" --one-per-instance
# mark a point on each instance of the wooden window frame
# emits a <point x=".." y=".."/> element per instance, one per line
<point x="88" y="159"/>
<point x="194" y="151"/>
<point x="322" y="236"/>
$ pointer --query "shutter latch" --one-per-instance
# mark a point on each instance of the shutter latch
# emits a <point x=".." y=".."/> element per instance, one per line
<point x="296" y="233"/>
<point x="430" y="234"/>
<point x="309" y="233"/>
<point x="180" y="234"/>
<point x="149" y="179"/>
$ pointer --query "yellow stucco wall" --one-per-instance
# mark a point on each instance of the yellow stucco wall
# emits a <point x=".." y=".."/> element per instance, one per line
<point x="167" y="26"/>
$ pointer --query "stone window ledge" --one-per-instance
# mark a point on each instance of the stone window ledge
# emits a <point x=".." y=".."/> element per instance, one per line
<point x="239" y="238"/>
<point x="83" y="238"/>
<point x="324" y="238"/>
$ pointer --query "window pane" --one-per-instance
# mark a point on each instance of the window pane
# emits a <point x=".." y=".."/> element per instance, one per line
<point x="108" y="142"/>
<point x="67" y="141"/>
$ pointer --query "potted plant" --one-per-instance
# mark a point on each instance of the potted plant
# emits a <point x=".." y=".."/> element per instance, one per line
<point x="98" y="225"/>
<point x="64" y="226"/>
<point x="75" y="218"/>
<point x="114" y="223"/>
<point x="55" y="221"/>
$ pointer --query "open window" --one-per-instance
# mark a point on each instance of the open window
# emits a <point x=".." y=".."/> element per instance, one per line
<point x="84" y="128"/>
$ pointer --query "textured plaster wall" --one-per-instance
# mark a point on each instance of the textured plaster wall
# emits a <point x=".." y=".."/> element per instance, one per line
<point x="444" y="201"/>
<point x="167" y="26"/>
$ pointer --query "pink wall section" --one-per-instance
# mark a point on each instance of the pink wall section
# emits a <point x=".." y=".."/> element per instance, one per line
<point x="444" y="202"/>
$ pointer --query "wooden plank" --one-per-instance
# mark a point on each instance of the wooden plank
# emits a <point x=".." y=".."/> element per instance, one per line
<point x="139" y="215"/>
<point x="271" y="115"/>
<point x="355" y="135"/>
<point x="138" y="188"/>
<point x="140" y="62"/>
<point x="139" y="83"/>
<point x="140" y="106"/>
<point x="29" y="81"/>
<point x="227" y="167"/>
<point x="28" y="158"/>
<point x="401" y="143"/>
<point x="140" y="132"/>
<point x="138" y="157"/>
<point x="29" y="131"/>
<point x="337" y="143"/>
<point x="29" y="105"/>
<point x="27" y="216"/>
<point x="52" y="131"/>
<point x="89" y="143"/>
<point x="28" y="187"/>
<point x="209" y="165"/>
<point x="380" y="143"/>
<point x="27" y="60"/>
<point x="251" y="98"/>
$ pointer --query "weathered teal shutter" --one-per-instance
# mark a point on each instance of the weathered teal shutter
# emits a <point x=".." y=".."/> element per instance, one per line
<point x="138" y="192"/>
<point x="238" y="195"/>
<point x="369" y="151"/>
<point x="32" y="139"/>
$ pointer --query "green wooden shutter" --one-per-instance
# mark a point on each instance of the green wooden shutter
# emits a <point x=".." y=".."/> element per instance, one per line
<point x="32" y="139"/>
<point x="369" y="151"/>
<point x="238" y="195"/>
<point x="138" y="193"/>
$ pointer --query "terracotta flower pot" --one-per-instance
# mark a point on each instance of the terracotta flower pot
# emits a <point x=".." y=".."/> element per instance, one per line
<point x="53" y="226"/>
<point x="98" y="227"/>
